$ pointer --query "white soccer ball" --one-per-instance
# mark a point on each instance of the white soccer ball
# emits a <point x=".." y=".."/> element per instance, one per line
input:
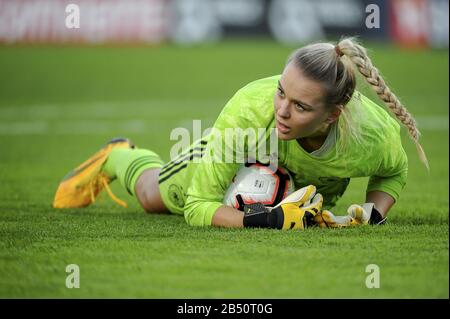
<point x="257" y="183"/>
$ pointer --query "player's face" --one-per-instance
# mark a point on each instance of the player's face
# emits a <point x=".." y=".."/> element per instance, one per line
<point x="299" y="110"/>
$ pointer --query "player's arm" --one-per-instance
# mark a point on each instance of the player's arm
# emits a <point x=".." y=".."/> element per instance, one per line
<point x="386" y="183"/>
<point x="382" y="192"/>
<point x="374" y="211"/>
<point x="385" y="186"/>
<point x="203" y="206"/>
<point x="296" y="211"/>
<point x="381" y="200"/>
<point x="381" y="195"/>
<point x="226" y="216"/>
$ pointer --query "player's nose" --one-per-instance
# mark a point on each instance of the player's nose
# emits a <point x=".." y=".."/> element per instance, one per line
<point x="283" y="109"/>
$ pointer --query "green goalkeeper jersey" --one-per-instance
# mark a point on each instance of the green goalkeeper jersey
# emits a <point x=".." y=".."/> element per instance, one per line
<point x="194" y="183"/>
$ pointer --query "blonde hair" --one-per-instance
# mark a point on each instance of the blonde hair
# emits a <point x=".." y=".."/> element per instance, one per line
<point x="333" y="65"/>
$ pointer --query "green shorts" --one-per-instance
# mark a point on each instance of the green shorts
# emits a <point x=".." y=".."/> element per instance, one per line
<point x="174" y="181"/>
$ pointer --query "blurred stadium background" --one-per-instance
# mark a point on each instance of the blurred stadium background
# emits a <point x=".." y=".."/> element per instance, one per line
<point x="140" y="68"/>
<point x="408" y="22"/>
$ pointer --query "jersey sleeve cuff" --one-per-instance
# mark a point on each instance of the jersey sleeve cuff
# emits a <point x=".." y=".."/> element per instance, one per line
<point x="391" y="186"/>
<point x="202" y="214"/>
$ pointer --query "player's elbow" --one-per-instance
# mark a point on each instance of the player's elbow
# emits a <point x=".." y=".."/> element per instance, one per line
<point x="192" y="213"/>
<point x="198" y="212"/>
<point x="191" y="218"/>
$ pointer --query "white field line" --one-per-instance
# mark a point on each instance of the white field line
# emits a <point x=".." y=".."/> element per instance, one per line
<point x="101" y="117"/>
<point x="125" y="117"/>
<point x="104" y="110"/>
<point x="432" y="122"/>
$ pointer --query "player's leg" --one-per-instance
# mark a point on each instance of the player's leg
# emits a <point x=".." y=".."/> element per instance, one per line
<point x="137" y="171"/>
<point x="163" y="189"/>
<point x="81" y="186"/>
<point x="148" y="192"/>
<point x="118" y="159"/>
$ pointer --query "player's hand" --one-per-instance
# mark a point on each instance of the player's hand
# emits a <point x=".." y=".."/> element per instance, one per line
<point x="299" y="197"/>
<point x="296" y="211"/>
<point x="327" y="219"/>
<point x="366" y="214"/>
<point x="356" y="215"/>
<point x="299" y="208"/>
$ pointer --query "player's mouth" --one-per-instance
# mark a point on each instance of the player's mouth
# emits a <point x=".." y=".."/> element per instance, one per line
<point x="283" y="128"/>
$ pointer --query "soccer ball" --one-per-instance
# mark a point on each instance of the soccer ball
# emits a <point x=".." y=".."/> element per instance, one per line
<point x="258" y="183"/>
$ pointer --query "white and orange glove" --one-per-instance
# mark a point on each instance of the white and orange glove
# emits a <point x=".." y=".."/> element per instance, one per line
<point x="356" y="215"/>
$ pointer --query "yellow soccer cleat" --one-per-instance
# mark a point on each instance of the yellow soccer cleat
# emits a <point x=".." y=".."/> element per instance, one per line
<point x="81" y="186"/>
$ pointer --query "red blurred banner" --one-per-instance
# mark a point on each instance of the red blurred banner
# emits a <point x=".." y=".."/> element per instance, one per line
<point x="409" y="22"/>
<point x="100" y="21"/>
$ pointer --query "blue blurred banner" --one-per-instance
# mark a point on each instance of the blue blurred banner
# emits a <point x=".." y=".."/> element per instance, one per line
<point x="414" y="23"/>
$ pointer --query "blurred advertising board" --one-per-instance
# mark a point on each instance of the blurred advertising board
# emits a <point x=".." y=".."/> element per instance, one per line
<point x="407" y="22"/>
<point x="101" y="21"/>
<point x="419" y="23"/>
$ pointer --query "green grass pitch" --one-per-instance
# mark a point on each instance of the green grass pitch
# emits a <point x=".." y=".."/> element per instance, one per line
<point x="59" y="105"/>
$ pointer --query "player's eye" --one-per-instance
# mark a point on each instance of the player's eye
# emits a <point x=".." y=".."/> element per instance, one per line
<point x="280" y="92"/>
<point x="299" y="107"/>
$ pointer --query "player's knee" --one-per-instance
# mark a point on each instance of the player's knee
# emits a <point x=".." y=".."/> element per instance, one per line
<point x="147" y="192"/>
<point x="151" y="204"/>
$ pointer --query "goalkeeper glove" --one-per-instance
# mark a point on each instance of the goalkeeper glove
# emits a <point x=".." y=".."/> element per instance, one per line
<point x="327" y="219"/>
<point x="296" y="211"/>
<point x="366" y="214"/>
<point x="357" y="215"/>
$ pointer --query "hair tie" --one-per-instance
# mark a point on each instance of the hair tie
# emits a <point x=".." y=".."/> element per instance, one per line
<point x="338" y="51"/>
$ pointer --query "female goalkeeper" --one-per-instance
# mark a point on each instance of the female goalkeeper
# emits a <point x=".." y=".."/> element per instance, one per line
<point x="327" y="133"/>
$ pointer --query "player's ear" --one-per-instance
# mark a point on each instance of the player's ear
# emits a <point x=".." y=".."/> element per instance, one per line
<point x="334" y="114"/>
